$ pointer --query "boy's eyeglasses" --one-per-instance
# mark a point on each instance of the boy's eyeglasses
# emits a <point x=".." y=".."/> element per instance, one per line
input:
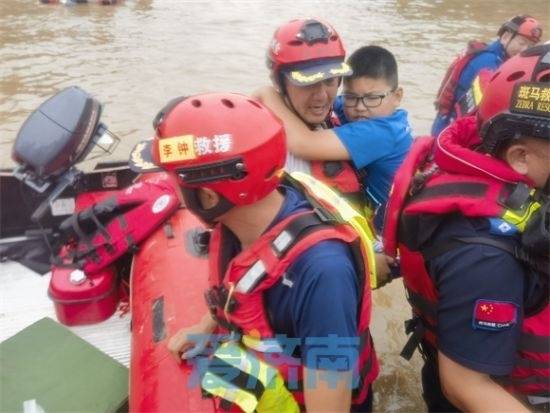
<point x="370" y="100"/>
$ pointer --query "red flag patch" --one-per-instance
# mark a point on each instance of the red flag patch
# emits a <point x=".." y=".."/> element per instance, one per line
<point x="494" y="315"/>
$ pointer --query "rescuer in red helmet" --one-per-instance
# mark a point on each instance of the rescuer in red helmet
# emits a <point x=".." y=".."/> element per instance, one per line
<point x="470" y="215"/>
<point x="276" y="262"/>
<point x="514" y="36"/>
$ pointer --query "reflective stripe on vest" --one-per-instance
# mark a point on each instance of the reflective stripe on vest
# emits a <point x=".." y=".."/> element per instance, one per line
<point x="241" y="378"/>
<point x="348" y="214"/>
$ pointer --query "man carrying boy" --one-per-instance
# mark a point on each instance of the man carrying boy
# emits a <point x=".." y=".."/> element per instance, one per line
<point x="514" y="36"/>
<point x="375" y="134"/>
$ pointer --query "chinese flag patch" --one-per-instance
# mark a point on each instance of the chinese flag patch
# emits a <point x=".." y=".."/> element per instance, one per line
<point x="494" y="315"/>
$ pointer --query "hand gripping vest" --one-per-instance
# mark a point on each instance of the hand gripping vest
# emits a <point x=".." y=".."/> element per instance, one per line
<point x="474" y="185"/>
<point x="236" y="296"/>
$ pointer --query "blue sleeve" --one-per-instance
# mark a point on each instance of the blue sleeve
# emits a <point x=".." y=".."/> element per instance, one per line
<point x="466" y="277"/>
<point x="366" y="140"/>
<point x="338" y="108"/>
<point x="324" y="308"/>
<point x="486" y="60"/>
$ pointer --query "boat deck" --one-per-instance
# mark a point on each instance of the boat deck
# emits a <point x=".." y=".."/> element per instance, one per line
<point x="24" y="300"/>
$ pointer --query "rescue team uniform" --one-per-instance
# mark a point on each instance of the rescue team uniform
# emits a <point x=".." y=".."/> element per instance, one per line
<point x="491" y="57"/>
<point x="475" y="296"/>
<point x="376" y="146"/>
<point x="297" y="303"/>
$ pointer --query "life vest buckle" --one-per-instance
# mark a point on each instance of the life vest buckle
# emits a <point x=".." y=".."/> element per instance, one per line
<point x="216" y="299"/>
<point x="417" y="328"/>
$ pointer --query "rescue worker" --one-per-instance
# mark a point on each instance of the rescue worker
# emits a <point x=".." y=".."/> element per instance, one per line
<point x="472" y="231"/>
<point x="306" y="59"/>
<point x="277" y="265"/>
<point x="514" y="36"/>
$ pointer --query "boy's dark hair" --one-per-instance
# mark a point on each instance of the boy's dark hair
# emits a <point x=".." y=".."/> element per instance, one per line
<point x="374" y="62"/>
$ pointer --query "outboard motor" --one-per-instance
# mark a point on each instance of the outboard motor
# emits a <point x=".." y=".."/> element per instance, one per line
<point x="60" y="133"/>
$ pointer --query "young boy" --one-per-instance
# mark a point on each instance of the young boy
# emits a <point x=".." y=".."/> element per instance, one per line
<point x="375" y="135"/>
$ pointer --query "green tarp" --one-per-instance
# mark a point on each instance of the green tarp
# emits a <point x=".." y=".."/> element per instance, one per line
<point x="62" y="372"/>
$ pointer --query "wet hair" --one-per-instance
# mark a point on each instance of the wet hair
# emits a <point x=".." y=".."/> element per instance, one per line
<point x="374" y="62"/>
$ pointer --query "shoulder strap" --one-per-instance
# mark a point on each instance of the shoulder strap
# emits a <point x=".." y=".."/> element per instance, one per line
<point x="517" y="252"/>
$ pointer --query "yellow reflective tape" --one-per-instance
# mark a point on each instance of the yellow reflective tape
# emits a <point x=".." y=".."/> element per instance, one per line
<point x="301" y="78"/>
<point x="237" y="356"/>
<point x="275" y="398"/>
<point x="342" y="70"/>
<point x="359" y="223"/>
<point x="477" y="92"/>
<point x="520" y="218"/>
<point x="218" y="387"/>
<point x="178" y="148"/>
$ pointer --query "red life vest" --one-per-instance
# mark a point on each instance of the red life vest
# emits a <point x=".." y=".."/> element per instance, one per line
<point x="236" y="296"/>
<point x="342" y="176"/>
<point x="445" y="100"/>
<point x="474" y="185"/>
<point x="103" y="232"/>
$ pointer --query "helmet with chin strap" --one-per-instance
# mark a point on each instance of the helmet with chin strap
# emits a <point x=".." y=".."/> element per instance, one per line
<point x="227" y="142"/>
<point x="516" y="101"/>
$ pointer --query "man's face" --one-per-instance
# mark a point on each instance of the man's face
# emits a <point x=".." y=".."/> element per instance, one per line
<point x="314" y="102"/>
<point x="538" y="161"/>
<point x="531" y="157"/>
<point x="515" y="44"/>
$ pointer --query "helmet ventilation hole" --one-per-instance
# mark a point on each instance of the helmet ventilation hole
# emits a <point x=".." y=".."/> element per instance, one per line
<point x="515" y="76"/>
<point x="295" y="43"/>
<point x="333" y="38"/>
<point x="228" y="103"/>
<point x="196" y="103"/>
<point x="495" y="76"/>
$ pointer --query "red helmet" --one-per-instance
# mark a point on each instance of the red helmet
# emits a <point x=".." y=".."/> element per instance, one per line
<point x="526" y="26"/>
<point x="516" y="101"/>
<point x="306" y="51"/>
<point x="227" y="142"/>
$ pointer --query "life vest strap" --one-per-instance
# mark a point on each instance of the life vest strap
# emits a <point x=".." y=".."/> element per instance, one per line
<point x="538" y="264"/>
<point x="532" y="364"/>
<point x="533" y="343"/>
<point x="417" y="328"/>
<point x="422" y="304"/>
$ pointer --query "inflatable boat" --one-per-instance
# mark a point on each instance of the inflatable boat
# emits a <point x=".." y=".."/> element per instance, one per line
<point x="115" y="237"/>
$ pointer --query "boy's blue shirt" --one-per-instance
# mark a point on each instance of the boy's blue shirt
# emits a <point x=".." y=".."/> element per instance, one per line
<point x="378" y="145"/>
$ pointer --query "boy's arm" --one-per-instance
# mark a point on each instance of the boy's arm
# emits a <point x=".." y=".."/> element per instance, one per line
<point x="318" y="145"/>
